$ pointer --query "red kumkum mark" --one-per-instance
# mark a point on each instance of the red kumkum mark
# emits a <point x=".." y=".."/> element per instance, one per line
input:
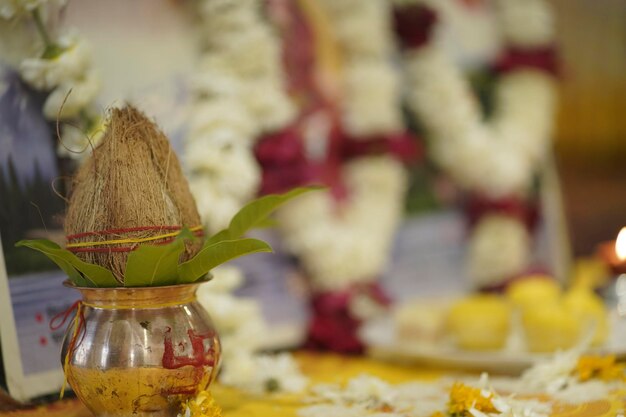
<point x="198" y="356"/>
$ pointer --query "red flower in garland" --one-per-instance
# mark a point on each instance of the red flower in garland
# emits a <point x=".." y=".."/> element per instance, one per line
<point x="334" y="326"/>
<point x="413" y="24"/>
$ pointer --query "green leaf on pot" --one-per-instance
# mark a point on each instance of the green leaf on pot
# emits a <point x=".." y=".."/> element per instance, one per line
<point x="254" y="214"/>
<point x="153" y="265"/>
<point x="78" y="271"/>
<point x="216" y="254"/>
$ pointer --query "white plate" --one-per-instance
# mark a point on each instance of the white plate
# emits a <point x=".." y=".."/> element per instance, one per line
<point x="381" y="338"/>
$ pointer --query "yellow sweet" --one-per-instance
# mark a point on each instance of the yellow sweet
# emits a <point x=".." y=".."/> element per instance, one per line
<point x="480" y="322"/>
<point x="588" y="309"/>
<point x="533" y="290"/>
<point x="549" y="327"/>
<point x="422" y="321"/>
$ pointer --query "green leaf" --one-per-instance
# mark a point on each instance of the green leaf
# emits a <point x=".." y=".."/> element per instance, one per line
<point x="79" y="272"/>
<point x="216" y="254"/>
<point x="254" y="214"/>
<point x="152" y="265"/>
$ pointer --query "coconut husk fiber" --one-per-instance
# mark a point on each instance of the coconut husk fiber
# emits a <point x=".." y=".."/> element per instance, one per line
<point x="132" y="179"/>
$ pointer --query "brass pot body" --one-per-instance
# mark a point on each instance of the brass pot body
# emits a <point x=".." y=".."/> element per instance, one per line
<point x="140" y="351"/>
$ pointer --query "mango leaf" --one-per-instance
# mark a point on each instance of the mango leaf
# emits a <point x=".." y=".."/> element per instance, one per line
<point x="153" y="265"/>
<point x="79" y="272"/>
<point x="216" y="254"/>
<point x="254" y="214"/>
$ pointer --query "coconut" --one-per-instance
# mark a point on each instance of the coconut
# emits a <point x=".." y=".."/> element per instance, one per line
<point x="131" y="187"/>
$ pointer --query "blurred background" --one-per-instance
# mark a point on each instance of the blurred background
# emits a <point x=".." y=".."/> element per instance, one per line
<point x="590" y="139"/>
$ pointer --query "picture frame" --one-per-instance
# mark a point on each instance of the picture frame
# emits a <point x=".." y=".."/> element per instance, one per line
<point x="31" y="290"/>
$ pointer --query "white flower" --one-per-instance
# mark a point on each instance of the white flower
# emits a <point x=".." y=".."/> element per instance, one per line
<point x="371" y="104"/>
<point x="249" y="53"/>
<point x="72" y="64"/>
<point x="17" y="41"/>
<point x="12" y="8"/>
<point x="68" y="99"/>
<point x="239" y="321"/>
<point x="216" y="209"/>
<point x="334" y="242"/>
<point x="227" y="15"/>
<point x="498" y="248"/>
<point x="260" y="374"/>
<point x="351" y="19"/>
<point x="269" y="104"/>
<point x="225" y="279"/>
<point x="225" y="118"/>
<point x="527" y="24"/>
<point x="232" y="168"/>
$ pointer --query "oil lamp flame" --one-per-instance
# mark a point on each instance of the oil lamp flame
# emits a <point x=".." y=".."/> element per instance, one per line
<point x="620" y="245"/>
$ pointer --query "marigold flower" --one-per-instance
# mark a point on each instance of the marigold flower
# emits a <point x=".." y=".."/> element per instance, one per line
<point x="603" y="367"/>
<point x="463" y="398"/>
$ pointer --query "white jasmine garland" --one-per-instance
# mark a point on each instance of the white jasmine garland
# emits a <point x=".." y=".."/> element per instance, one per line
<point x="240" y="96"/>
<point x="334" y="242"/>
<point x="371" y="98"/>
<point x="497" y="157"/>
<point x="371" y="103"/>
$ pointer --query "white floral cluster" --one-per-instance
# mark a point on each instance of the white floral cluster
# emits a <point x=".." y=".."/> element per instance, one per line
<point x="556" y="377"/>
<point x="371" y="96"/>
<point x="502" y="235"/>
<point x="498" y="157"/>
<point x="367" y="395"/>
<point x="239" y="96"/>
<point x="242" y="330"/>
<point x="62" y="67"/>
<point x="339" y="245"/>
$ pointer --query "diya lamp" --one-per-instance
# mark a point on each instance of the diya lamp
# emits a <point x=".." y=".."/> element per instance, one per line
<point x="613" y="253"/>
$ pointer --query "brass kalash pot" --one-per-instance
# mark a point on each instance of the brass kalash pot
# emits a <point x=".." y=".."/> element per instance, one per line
<point x="140" y="351"/>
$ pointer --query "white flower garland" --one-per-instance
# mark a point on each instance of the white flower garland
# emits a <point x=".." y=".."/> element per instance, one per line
<point x="501" y="156"/>
<point x="349" y="244"/>
<point x="239" y="95"/>
<point x="62" y="68"/>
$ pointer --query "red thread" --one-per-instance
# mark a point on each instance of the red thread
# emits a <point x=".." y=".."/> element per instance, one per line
<point x="79" y="334"/>
<point x="64" y="315"/>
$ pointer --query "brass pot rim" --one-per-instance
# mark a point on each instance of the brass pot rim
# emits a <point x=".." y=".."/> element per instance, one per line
<point x="67" y="283"/>
<point x="137" y="297"/>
